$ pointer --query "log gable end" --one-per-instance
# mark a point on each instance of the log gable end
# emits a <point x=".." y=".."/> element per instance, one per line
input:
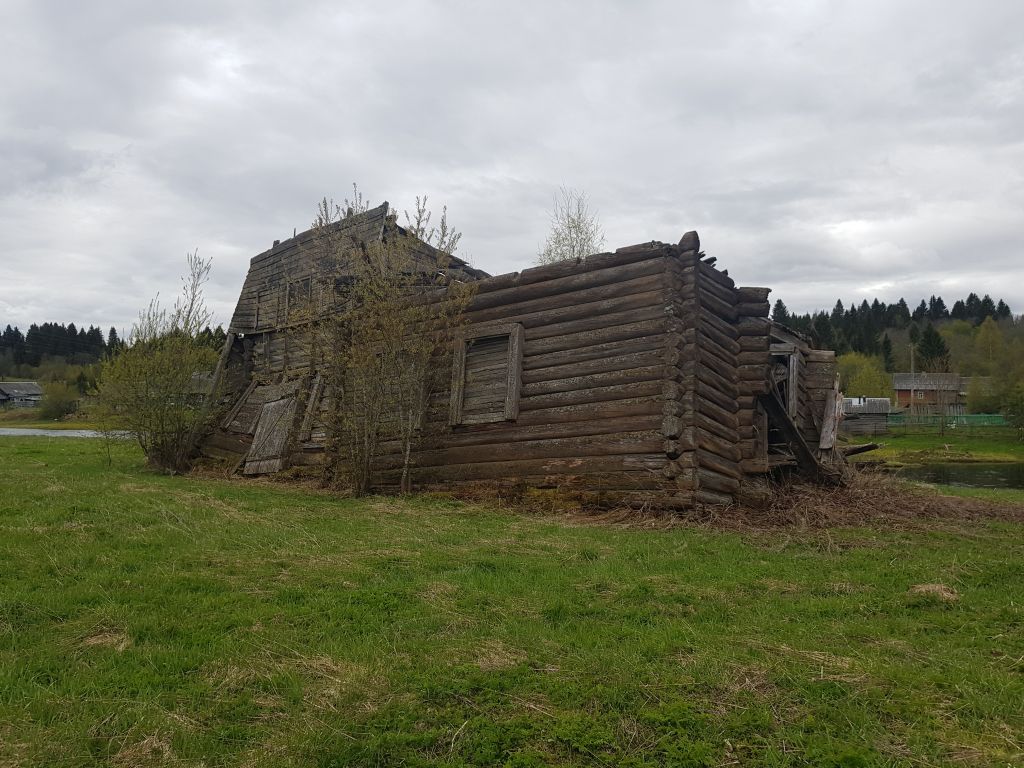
<point x="638" y="376"/>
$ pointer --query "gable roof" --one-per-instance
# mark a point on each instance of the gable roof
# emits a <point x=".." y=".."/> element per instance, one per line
<point x="937" y="382"/>
<point x="20" y="389"/>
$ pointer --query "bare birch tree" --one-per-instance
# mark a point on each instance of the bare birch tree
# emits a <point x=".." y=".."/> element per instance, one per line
<point x="575" y="231"/>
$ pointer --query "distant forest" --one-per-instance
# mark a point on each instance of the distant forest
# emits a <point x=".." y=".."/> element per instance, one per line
<point x="976" y="337"/>
<point x="54" y="352"/>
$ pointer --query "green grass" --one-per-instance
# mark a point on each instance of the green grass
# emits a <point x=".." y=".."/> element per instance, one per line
<point x="29" y="418"/>
<point x="974" y="444"/>
<point x="149" y="620"/>
<point x="1001" y="495"/>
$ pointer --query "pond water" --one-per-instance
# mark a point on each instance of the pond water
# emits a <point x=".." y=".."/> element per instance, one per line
<point x="1004" y="475"/>
<point x="13" y="432"/>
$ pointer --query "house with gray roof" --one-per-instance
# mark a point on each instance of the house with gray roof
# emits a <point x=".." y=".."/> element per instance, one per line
<point x="20" y="394"/>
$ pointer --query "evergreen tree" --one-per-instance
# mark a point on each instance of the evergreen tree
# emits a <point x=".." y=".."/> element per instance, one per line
<point x="837" y="314"/>
<point x="915" y="333"/>
<point x="973" y="307"/>
<point x="887" y="359"/>
<point x="1003" y="311"/>
<point x="113" y="341"/>
<point x="779" y="313"/>
<point x="959" y="311"/>
<point x="932" y="351"/>
<point x="821" y="329"/>
<point x="937" y="308"/>
<point x="921" y="312"/>
<point x="899" y="314"/>
<point x="987" y="308"/>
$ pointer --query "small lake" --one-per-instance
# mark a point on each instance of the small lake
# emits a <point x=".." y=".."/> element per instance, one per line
<point x="12" y="432"/>
<point x="1004" y="475"/>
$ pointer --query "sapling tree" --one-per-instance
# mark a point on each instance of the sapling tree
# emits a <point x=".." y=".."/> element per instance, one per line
<point x="575" y="231"/>
<point x="154" y="388"/>
<point x="387" y="352"/>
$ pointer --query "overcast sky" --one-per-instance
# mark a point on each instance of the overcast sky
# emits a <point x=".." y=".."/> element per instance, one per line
<point x="828" y="150"/>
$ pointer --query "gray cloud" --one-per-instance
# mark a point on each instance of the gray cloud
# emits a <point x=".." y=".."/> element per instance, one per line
<point x="826" y="150"/>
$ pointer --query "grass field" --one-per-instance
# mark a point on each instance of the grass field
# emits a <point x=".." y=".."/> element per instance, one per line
<point x="29" y="418"/>
<point x="150" y="620"/>
<point x="966" y="444"/>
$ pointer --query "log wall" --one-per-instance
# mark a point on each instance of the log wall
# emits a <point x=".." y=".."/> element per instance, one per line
<point x="636" y="374"/>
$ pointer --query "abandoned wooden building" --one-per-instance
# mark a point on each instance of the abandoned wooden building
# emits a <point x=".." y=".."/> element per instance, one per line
<point x="643" y="374"/>
<point x="20" y="394"/>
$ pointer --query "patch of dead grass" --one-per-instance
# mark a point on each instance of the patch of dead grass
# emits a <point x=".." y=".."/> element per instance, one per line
<point x="155" y="749"/>
<point x="941" y="592"/>
<point x="108" y="638"/>
<point x="494" y="655"/>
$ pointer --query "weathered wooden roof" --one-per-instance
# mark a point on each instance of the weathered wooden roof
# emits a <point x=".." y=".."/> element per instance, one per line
<point x="20" y="389"/>
<point x="939" y="382"/>
<point x="297" y="258"/>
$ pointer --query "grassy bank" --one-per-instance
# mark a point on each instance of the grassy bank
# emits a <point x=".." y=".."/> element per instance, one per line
<point x="977" y="444"/>
<point x="29" y="418"/>
<point x="148" y="620"/>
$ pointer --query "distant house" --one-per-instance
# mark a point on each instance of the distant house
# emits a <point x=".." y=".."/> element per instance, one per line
<point x="20" y="394"/>
<point x="930" y="393"/>
<point x="865" y="415"/>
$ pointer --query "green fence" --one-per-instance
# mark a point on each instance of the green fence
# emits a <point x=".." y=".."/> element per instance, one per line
<point x="902" y="422"/>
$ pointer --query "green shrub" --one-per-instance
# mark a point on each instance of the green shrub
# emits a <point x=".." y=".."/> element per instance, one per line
<point x="58" y="401"/>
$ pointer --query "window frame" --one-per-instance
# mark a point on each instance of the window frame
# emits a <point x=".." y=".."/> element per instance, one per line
<point x="513" y="373"/>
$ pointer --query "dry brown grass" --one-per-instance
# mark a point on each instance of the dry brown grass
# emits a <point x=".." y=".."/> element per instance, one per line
<point x="940" y="591"/>
<point x="108" y="638"/>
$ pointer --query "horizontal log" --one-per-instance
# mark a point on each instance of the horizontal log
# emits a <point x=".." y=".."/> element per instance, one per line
<point x="609" y="378"/>
<point x="711" y="273"/>
<point x="709" y="392"/>
<point x="728" y="345"/>
<point x="749" y="295"/>
<point x="753" y="309"/>
<point x="722" y="465"/>
<point x="514" y="432"/>
<point x="622" y="362"/>
<point x="710" y="480"/>
<point x="724" y="431"/>
<point x="712" y="410"/>
<point x="703" y="278"/>
<point x="591" y="344"/>
<point x="617" y="487"/>
<point x="624" y="444"/>
<point x="589" y="311"/>
<point x="612" y="409"/>
<point x="753" y="326"/>
<point x="752" y="372"/>
<point x="557" y="335"/>
<point x="760" y="357"/>
<point x="753" y="344"/>
<point x="567" y="268"/>
<point x="578" y="280"/>
<point x="590" y="395"/>
<point x="711" y="498"/>
<point x="709" y="347"/>
<point x="524" y="468"/>
<point x="715" y="305"/>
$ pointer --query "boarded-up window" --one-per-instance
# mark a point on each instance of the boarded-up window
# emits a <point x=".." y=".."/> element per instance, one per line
<point x="486" y="375"/>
